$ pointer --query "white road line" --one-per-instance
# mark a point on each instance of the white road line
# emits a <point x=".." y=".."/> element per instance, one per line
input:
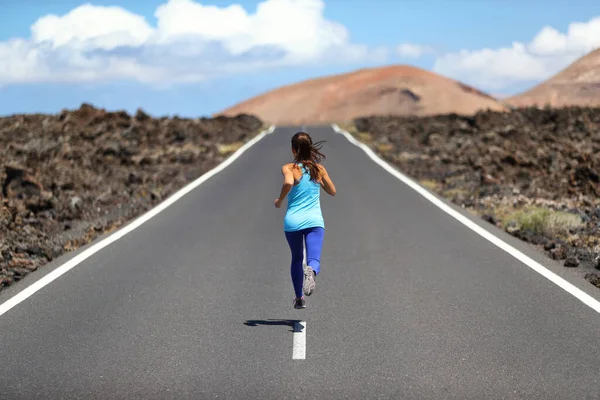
<point x="537" y="267"/>
<point x="30" y="290"/>
<point x="299" y="346"/>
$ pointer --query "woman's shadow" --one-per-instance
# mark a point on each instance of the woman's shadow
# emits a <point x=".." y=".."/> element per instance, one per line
<point x="295" y="324"/>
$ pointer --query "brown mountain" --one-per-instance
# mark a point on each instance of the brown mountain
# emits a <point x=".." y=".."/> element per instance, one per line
<point x="577" y="85"/>
<point x="395" y="90"/>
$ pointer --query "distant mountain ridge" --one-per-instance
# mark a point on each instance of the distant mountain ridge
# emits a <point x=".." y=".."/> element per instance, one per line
<point x="576" y="85"/>
<point x="391" y="90"/>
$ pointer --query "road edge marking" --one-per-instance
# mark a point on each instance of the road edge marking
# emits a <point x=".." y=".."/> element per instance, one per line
<point x="299" y="343"/>
<point x="519" y="255"/>
<point x="47" y="279"/>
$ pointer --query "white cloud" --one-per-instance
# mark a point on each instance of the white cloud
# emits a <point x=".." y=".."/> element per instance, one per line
<point x="545" y="55"/>
<point x="189" y="18"/>
<point x="410" y="50"/>
<point x="191" y="41"/>
<point x="295" y="26"/>
<point x="92" y="26"/>
<point x="493" y="68"/>
<point x="19" y="61"/>
<point x="581" y="38"/>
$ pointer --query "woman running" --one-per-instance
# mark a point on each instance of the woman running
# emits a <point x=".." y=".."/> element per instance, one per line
<point x="303" y="222"/>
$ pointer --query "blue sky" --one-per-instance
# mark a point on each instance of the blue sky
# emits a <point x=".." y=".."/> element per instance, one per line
<point x="195" y="58"/>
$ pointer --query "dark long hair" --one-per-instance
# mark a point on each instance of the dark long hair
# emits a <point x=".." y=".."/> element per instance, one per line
<point x="308" y="153"/>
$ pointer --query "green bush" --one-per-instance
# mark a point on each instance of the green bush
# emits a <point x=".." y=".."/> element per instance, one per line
<point x="546" y="221"/>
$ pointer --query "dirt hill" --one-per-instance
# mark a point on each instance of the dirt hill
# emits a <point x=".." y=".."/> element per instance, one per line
<point x="394" y="90"/>
<point x="576" y="85"/>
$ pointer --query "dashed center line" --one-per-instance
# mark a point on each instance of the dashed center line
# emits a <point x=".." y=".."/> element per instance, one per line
<point x="299" y="346"/>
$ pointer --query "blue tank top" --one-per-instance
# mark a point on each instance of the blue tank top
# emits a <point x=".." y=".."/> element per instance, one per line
<point x="303" y="205"/>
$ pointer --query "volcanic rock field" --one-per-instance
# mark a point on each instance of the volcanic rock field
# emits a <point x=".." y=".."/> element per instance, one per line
<point x="68" y="178"/>
<point x="533" y="172"/>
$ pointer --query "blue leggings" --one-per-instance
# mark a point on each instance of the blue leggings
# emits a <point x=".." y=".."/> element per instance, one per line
<point x="314" y="243"/>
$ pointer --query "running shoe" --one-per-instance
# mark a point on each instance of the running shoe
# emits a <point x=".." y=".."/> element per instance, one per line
<point x="309" y="281"/>
<point x="299" y="303"/>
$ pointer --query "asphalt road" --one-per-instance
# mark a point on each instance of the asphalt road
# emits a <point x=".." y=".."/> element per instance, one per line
<point x="197" y="303"/>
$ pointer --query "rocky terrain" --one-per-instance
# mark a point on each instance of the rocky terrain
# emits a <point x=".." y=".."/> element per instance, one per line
<point x="532" y="172"/>
<point x="393" y="90"/>
<point x="576" y="85"/>
<point x="70" y="177"/>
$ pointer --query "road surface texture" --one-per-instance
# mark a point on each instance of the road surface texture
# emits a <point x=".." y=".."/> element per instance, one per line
<point x="197" y="303"/>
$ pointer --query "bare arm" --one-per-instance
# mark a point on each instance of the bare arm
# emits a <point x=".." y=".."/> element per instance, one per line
<point x="288" y="182"/>
<point x="326" y="182"/>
